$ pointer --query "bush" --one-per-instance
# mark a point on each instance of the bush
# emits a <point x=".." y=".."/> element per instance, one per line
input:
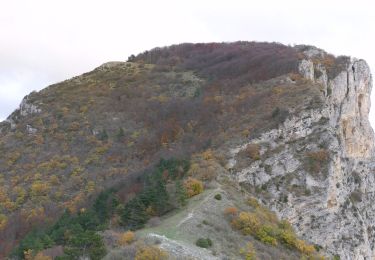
<point x="231" y="211"/>
<point x="204" y="242"/>
<point x="126" y="238"/>
<point x="267" y="235"/>
<point x="248" y="252"/>
<point x="317" y="160"/>
<point x="193" y="187"/>
<point x="218" y="196"/>
<point x="247" y="223"/>
<point x="150" y="253"/>
<point x="253" y="202"/>
<point x="253" y="151"/>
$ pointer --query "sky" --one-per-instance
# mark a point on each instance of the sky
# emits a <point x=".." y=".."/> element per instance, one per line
<point x="43" y="42"/>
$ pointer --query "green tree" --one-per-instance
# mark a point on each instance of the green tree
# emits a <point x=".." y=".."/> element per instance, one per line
<point x="181" y="194"/>
<point x="134" y="215"/>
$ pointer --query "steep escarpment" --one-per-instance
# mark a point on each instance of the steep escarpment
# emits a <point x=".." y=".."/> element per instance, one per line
<point x="263" y="125"/>
<point x="316" y="169"/>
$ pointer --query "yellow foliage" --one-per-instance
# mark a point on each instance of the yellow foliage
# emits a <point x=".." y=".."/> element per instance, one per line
<point x="246" y="133"/>
<point x="40" y="256"/>
<point x="247" y="222"/>
<point x="74" y="203"/>
<point x="9" y="205"/>
<point x="35" y="213"/>
<point x="29" y="255"/>
<point x="208" y="155"/>
<point x="76" y="171"/>
<point x="193" y="187"/>
<point x="304" y="248"/>
<point x="253" y="202"/>
<point x="126" y="238"/>
<point x="90" y="187"/>
<point x="248" y="252"/>
<point x="150" y="253"/>
<point x="40" y="188"/>
<point x="3" y="221"/>
<point x="288" y="238"/>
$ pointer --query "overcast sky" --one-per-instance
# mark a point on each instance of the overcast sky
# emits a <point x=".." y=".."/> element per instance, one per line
<point x="44" y="41"/>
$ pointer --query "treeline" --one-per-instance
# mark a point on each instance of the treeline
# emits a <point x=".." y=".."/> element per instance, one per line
<point x="78" y="233"/>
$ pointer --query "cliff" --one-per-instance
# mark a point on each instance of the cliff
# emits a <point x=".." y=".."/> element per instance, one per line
<point x="318" y="165"/>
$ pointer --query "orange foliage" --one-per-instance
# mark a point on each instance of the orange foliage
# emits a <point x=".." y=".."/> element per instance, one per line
<point x="231" y="211"/>
<point x="193" y="187"/>
<point x="126" y="238"/>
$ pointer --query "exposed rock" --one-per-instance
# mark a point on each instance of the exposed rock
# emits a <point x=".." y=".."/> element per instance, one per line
<point x="306" y="68"/>
<point x="331" y="206"/>
<point x="30" y="130"/>
<point x="27" y="108"/>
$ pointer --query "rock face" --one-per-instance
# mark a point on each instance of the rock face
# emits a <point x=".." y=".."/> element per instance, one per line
<point x="317" y="167"/>
<point x="25" y="109"/>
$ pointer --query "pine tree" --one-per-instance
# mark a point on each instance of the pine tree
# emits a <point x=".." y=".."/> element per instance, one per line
<point x="134" y="216"/>
<point x="181" y="194"/>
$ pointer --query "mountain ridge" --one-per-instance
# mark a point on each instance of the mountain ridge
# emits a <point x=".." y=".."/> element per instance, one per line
<point x="254" y="104"/>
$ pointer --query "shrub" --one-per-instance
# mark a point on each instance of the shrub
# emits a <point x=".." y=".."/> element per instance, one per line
<point x="247" y="223"/>
<point x="193" y="187"/>
<point x="41" y="256"/>
<point x="288" y="238"/>
<point x="253" y="202"/>
<point x="39" y="188"/>
<point x="356" y="196"/>
<point x="267" y="235"/>
<point x="126" y="238"/>
<point x="150" y="253"/>
<point x="316" y="160"/>
<point x="231" y="211"/>
<point x="248" y="252"/>
<point x="304" y="248"/>
<point x="218" y="196"/>
<point x="204" y="242"/>
<point x="253" y="151"/>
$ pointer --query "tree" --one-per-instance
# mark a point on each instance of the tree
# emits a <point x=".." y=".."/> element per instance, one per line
<point x="181" y="194"/>
<point x="134" y="215"/>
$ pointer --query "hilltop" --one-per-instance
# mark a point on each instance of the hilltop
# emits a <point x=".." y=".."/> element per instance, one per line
<point x="280" y="132"/>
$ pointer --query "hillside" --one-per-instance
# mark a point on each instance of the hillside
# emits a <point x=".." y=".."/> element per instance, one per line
<point x="285" y="125"/>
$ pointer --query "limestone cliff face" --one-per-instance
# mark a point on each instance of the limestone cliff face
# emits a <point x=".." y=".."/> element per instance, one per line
<point x="317" y="168"/>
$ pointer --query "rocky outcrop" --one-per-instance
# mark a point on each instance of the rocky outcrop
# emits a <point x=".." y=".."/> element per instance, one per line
<point x="26" y="108"/>
<point x="317" y="167"/>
